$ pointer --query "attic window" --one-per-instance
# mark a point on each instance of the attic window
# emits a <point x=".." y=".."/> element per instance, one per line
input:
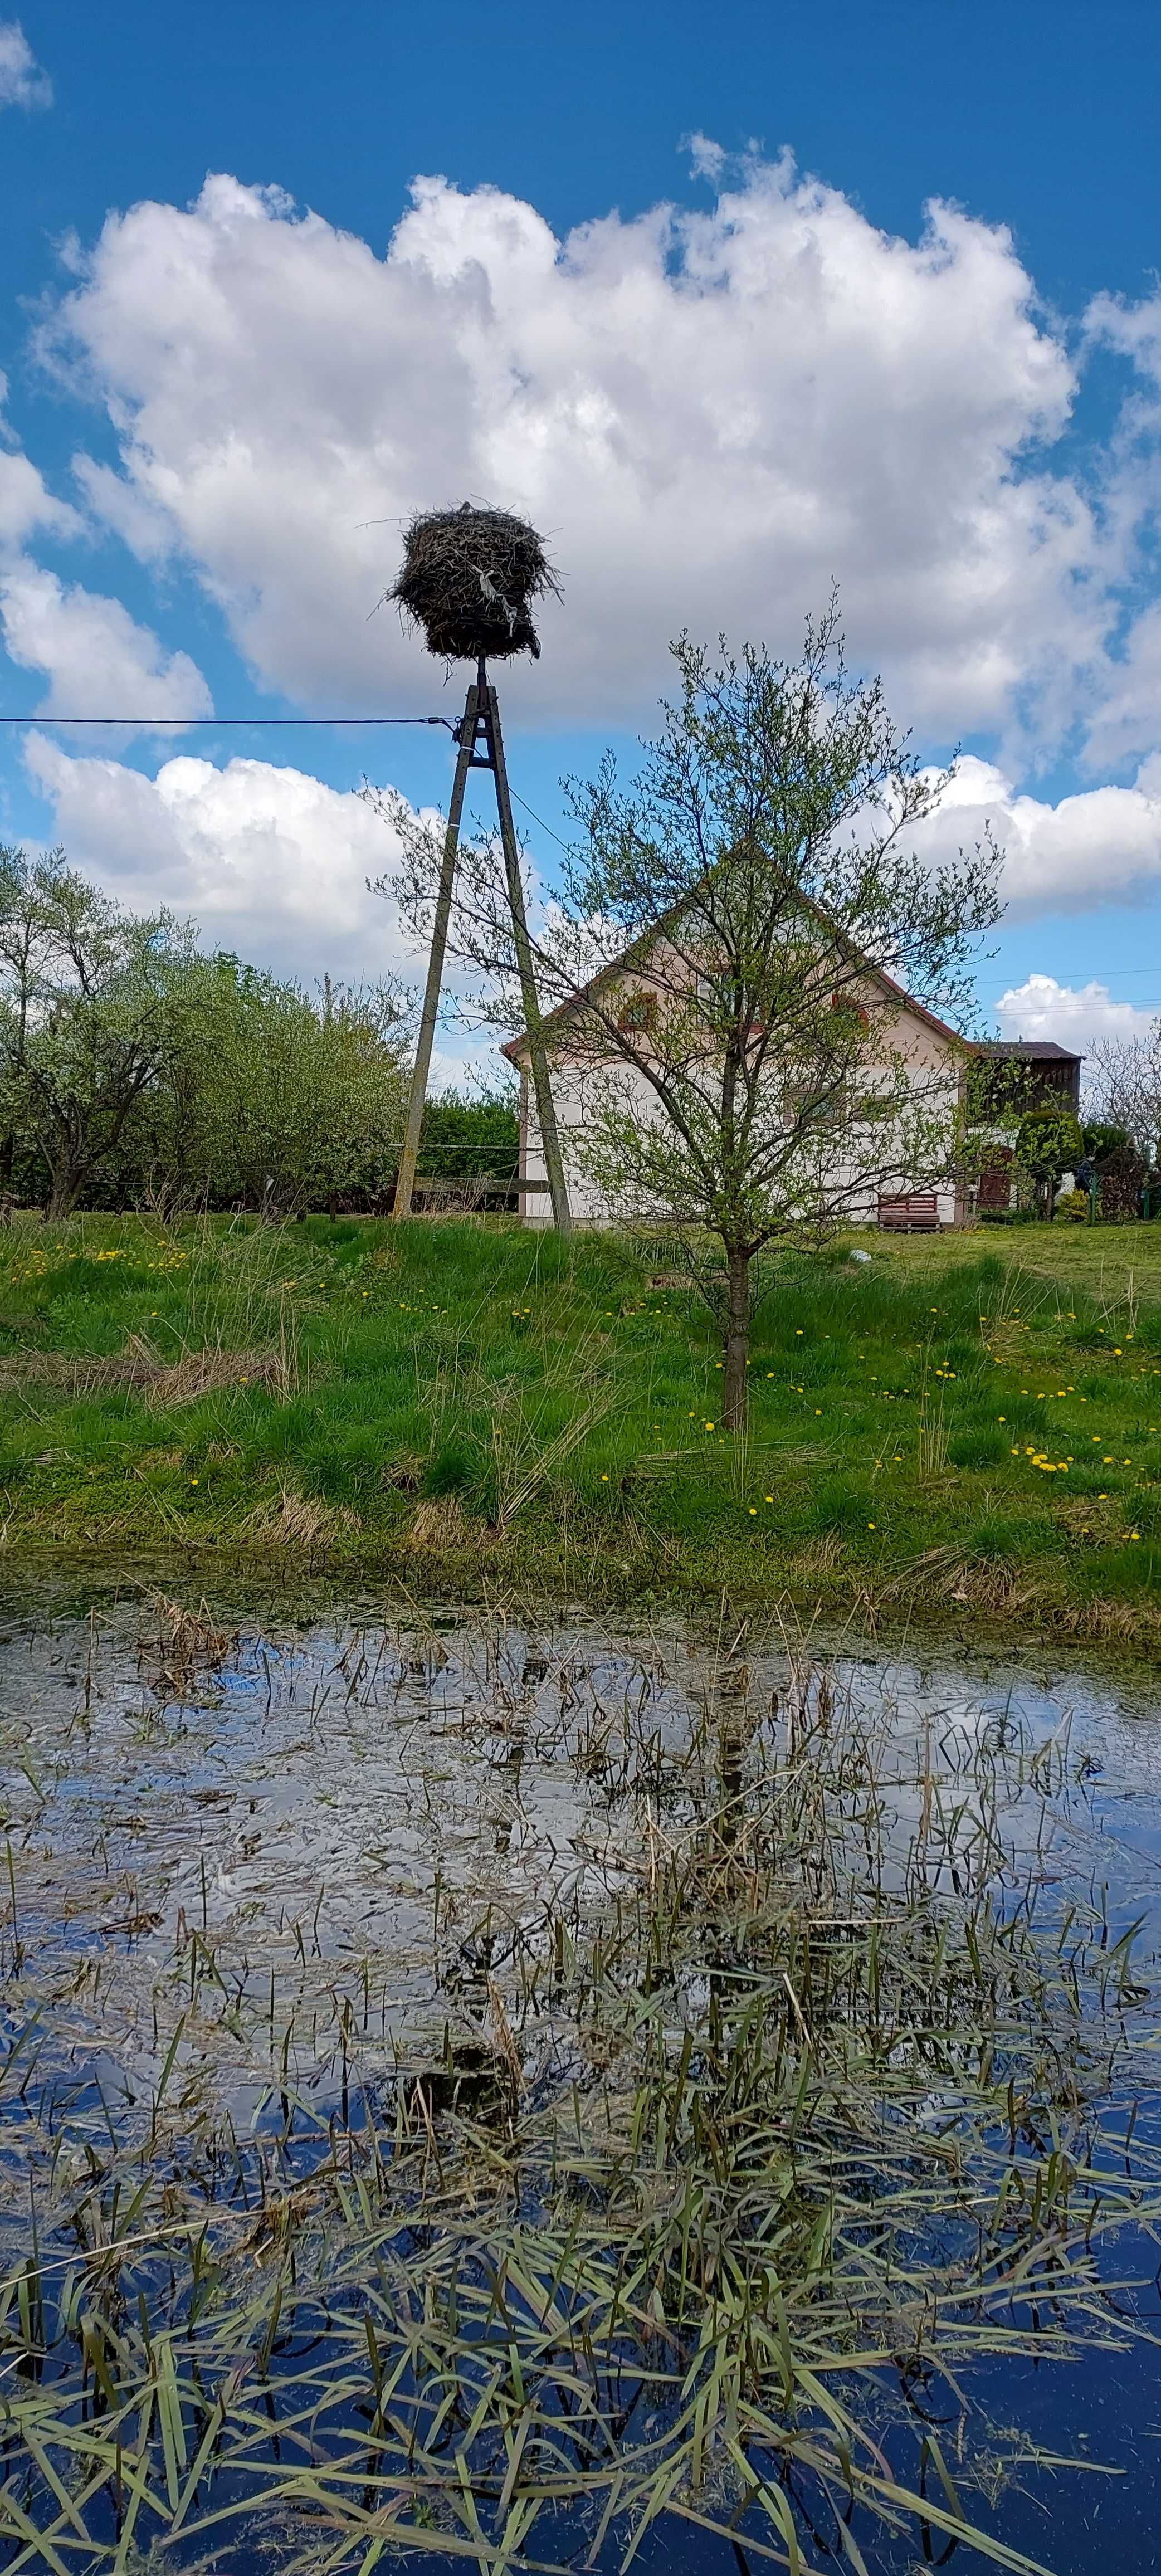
<point x="850" y="1008"/>
<point x="639" y="1015"/>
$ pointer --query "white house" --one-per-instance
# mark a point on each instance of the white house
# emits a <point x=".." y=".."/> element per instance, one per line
<point x="906" y="1028"/>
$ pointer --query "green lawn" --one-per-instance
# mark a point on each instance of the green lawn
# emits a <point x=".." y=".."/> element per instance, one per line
<point x="967" y="1428"/>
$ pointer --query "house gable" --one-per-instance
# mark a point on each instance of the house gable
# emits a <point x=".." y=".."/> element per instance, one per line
<point x="927" y="1039"/>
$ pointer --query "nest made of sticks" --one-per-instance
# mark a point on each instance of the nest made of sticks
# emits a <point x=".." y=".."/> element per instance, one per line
<point x="467" y="579"/>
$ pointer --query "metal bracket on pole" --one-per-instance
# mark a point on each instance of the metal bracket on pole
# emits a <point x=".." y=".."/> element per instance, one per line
<point x="481" y="726"/>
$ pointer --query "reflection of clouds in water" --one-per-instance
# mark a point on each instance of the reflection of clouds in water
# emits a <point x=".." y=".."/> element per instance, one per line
<point x="394" y="1814"/>
<point x="1094" y="1746"/>
<point x="268" y="1877"/>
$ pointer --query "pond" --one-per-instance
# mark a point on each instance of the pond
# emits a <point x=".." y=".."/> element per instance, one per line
<point x="526" y="2091"/>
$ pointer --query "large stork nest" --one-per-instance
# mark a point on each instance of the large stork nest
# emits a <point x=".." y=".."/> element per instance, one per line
<point x="467" y="579"/>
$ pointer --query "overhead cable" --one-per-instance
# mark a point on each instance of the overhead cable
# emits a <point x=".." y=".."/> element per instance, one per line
<point x="185" y="724"/>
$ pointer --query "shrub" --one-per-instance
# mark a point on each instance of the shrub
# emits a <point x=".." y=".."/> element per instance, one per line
<point x="462" y="1136"/>
<point x="1100" y="1140"/>
<point x="1122" y="1175"/>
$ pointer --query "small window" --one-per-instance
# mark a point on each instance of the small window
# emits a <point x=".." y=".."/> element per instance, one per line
<point x="851" y="1009"/>
<point x="638" y="1016"/>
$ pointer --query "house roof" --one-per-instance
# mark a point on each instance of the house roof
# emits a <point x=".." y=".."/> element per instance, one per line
<point x="564" y="1010"/>
<point x="1025" y="1050"/>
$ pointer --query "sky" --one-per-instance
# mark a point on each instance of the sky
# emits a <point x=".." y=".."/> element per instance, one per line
<point x="733" y="305"/>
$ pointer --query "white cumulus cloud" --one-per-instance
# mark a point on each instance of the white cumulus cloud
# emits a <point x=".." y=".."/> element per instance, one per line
<point x="1101" y="846"/>
<point x="1122" y="718"/>
<point x="1126" y="716"/>
<point x="99" y="661"/>
<point x="22" y="82"/>
<point x="1072" y="1015"/>
<point x="712" y="415"/>
<point x="26" y="504"/>
<point x="268" y="861"/>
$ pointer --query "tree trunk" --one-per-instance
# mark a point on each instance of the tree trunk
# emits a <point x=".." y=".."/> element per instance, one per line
<point x="64" y="1192"/>
<point x="737" y="1341"/>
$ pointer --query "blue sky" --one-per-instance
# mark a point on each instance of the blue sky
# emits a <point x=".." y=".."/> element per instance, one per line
<point x="220" y="403"/>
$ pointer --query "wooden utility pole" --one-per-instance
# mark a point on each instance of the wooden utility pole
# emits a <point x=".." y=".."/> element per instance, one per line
<point x="405" y="1178"/>
<point x="481" y="746"/>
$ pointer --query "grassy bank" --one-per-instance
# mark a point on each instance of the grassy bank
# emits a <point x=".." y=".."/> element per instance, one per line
<point x="969" y="1428"/>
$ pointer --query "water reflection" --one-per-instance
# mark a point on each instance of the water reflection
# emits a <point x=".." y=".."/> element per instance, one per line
<point x="255" y="1870"/>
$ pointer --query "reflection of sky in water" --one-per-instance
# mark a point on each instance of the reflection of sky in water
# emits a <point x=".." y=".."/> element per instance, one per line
<point x="339" y="1813"/>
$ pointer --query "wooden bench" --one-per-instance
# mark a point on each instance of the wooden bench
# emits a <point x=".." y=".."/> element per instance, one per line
<point x="915" y="1213"/>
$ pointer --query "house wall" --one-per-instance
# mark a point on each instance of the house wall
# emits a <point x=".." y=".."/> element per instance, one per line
<point x="1051" y="1082"/>
<point x="572" y="1086"/>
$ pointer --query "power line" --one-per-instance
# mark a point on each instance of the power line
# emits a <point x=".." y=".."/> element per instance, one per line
<point x="539" y="818"/>
<point x="186" y="724"/>
<point x="1118" y="971"/>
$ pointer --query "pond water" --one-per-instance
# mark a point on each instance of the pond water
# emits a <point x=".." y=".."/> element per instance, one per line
<point x="380" y="1985"/>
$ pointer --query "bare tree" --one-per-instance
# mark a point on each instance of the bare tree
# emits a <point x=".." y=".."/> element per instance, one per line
<point x="733" y="942"/>
<point x="1124" y="1086"/>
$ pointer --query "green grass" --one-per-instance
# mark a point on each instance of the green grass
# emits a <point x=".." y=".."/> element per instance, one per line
<point x="968" y="1427"/>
